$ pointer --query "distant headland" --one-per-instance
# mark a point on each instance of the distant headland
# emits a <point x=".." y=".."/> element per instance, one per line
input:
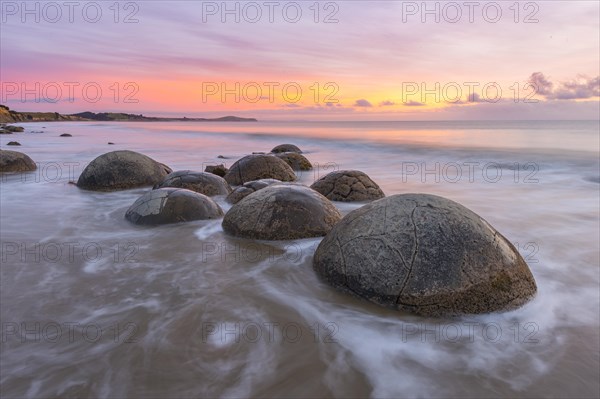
<point x="9" y="116"/>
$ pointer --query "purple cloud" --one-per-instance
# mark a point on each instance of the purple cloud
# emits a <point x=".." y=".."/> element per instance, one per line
<point x="362" y="103"/>
<point x="414" y="104"/>
<point x="542" y="85"/>
<point x="580" y="88"/>
<point x="386" y="103"/>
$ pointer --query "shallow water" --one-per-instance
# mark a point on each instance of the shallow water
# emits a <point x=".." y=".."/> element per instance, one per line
<point x="92" y="306"/>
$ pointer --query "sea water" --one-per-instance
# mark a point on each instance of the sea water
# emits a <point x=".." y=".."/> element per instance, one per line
<point x="93" y="306"/>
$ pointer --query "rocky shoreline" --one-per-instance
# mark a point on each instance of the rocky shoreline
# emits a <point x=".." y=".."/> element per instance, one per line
<point x="415" y="253"/>
<point x="10" y="116"/>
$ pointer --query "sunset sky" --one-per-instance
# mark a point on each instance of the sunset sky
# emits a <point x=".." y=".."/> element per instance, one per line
<point x="351" y="59"/>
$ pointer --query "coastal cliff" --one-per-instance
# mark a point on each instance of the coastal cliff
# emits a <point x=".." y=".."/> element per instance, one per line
<point x="9" y="116"/>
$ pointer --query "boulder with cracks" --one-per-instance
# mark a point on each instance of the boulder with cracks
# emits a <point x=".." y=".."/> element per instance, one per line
<point x="283" y="211"/>
<point x="348" y="186"/>
<point x="295" y="160"/>
<point x="200" y="182"/>
<point x="256" y="167"/>
<point x="120" y="170"/>
<point x="172" y="205"/>
<point x="424" y="254"/>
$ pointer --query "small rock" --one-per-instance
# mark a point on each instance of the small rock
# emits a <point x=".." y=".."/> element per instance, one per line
<point x="221" y="157"/>
<point x="110" y="143"/>
<point x="66" y="135"/>
<point x="2" y="131"/>
<point x="13" y="143"/>
<point x="219" y="170"/>
<point x="14" y="129"/>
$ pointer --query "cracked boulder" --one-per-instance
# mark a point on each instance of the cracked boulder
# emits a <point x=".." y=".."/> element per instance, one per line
<point x="295" y="160"/>
<point x="256" y="167"/>
<point x="348" y="186"/>
<point x="281" y="212"/>
<point x="14" y="161"/>
<point x="172" y="205"/>
<point x="200" y="182"/>
<point x="424" y="254"/>
<point x="248" y="188"/>
<point x="120" y="170"/>
<point x="286" y="148"/>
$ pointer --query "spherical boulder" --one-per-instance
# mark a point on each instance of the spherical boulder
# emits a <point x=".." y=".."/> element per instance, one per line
<point x="248" y="188"/>
<point x="13" y="161"/>
<point x="200" y="182"/>
<point x="348" y="186"/>
<point x="256" y="167"/>
<point x="172" y="205"/>
<point x="119" y="170"/>
<point x="281" y="212"/>
<point x="424" y="254"/>
<point x="286" y="148"/>
<point x="295" y="160"/>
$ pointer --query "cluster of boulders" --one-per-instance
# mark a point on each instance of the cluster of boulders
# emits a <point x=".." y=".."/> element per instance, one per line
<point x="412" y="252"/>
<point x="14" y="161"/>
<point x="10" y="129"/>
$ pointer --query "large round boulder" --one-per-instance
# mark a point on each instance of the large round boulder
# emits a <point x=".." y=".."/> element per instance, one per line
<point x="14" y="161"/>
<point x="295" y="160"/>
<point x="200" y="182"/>
<point x="347" y="186"/>
<point x="424" y="254"/>
<point x="172" y="205"/>
<point x="286" y="148"/>
<point x="248" y="188"/>
<point x="256" y="167"/>
<point x="119" y="170"/>
<point x="281" y="212"/>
